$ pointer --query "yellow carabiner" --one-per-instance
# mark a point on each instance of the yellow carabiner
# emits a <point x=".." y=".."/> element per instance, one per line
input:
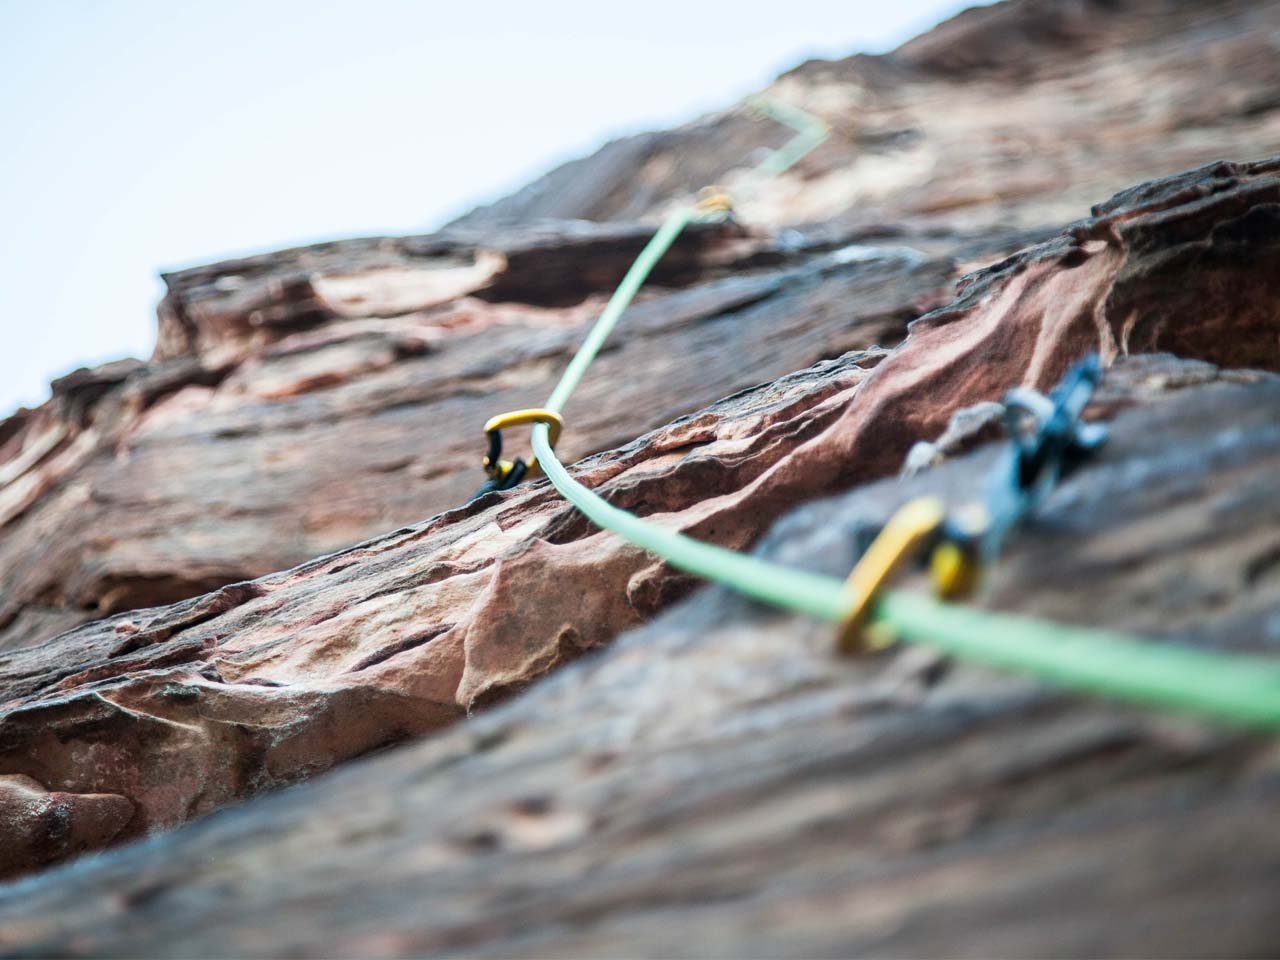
<point x="713" y="200"/>
<point x="955" y="566"/>
<point x="498" y="468"/>
<point x="899" y="541"/>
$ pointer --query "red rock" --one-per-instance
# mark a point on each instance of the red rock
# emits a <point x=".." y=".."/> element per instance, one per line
<point x="301" y="402"/>
<point x="718" y="783"/>
<point x="257" y="454"/>
<point x="281" y="416"/>
<point x="1018" y="114"/>
<point x="264" y="683"/>
<point x="41" y="827"/>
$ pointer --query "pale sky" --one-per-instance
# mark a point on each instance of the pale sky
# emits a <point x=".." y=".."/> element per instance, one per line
<point x="142" y="135"/>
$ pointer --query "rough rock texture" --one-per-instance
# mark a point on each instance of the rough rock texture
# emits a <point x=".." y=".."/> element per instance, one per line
<point x="41" y="827"/>
<point x="261" y="683"/>
<point x="715" y="781"/>
<point x="1019" y="114"/>
<point x="283" y="413"/>
<point x="332" y="396"/>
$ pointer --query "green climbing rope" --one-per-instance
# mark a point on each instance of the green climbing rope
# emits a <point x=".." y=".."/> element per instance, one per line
<point x="1237" y="689"/>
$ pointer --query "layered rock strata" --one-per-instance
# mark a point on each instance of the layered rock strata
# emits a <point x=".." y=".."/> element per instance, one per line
<point x="180" y="710"/>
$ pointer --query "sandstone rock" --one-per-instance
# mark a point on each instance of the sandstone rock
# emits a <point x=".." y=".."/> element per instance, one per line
<point x="267" y="682"/>
<point x="275" y="443"/>
<point x="188" y="472"/>
<point x="717" y="783"/>
<point x="1018" y="114"/>
<point x="41" y="827"/>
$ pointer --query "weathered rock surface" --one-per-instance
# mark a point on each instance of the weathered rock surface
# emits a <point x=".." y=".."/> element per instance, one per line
<point x="1019" y="114"/>
<point x="263" y="683"/>
<point x="331" y="396"/>
<point x="717" y="783"/>
<point x="41" y="827"/>
<point x="282" y="415"/>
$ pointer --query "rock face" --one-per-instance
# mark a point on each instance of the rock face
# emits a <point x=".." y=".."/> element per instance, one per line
<point x="717" y="783"/>
<point x="282" y="415"/>
<point x="303" y="401"/>
<point x="1020" y="114"/>
<point x="716" y="765"/>
<point x="261" y="683"/>
<point x="41" y="827"/>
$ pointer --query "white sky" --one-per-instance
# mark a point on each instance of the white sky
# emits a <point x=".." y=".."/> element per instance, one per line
<point x="141" y="135"/>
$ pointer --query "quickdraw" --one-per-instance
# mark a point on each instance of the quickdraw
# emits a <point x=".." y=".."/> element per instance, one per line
<point x="505" y="474"/>
<point x="1047" y="439"/>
